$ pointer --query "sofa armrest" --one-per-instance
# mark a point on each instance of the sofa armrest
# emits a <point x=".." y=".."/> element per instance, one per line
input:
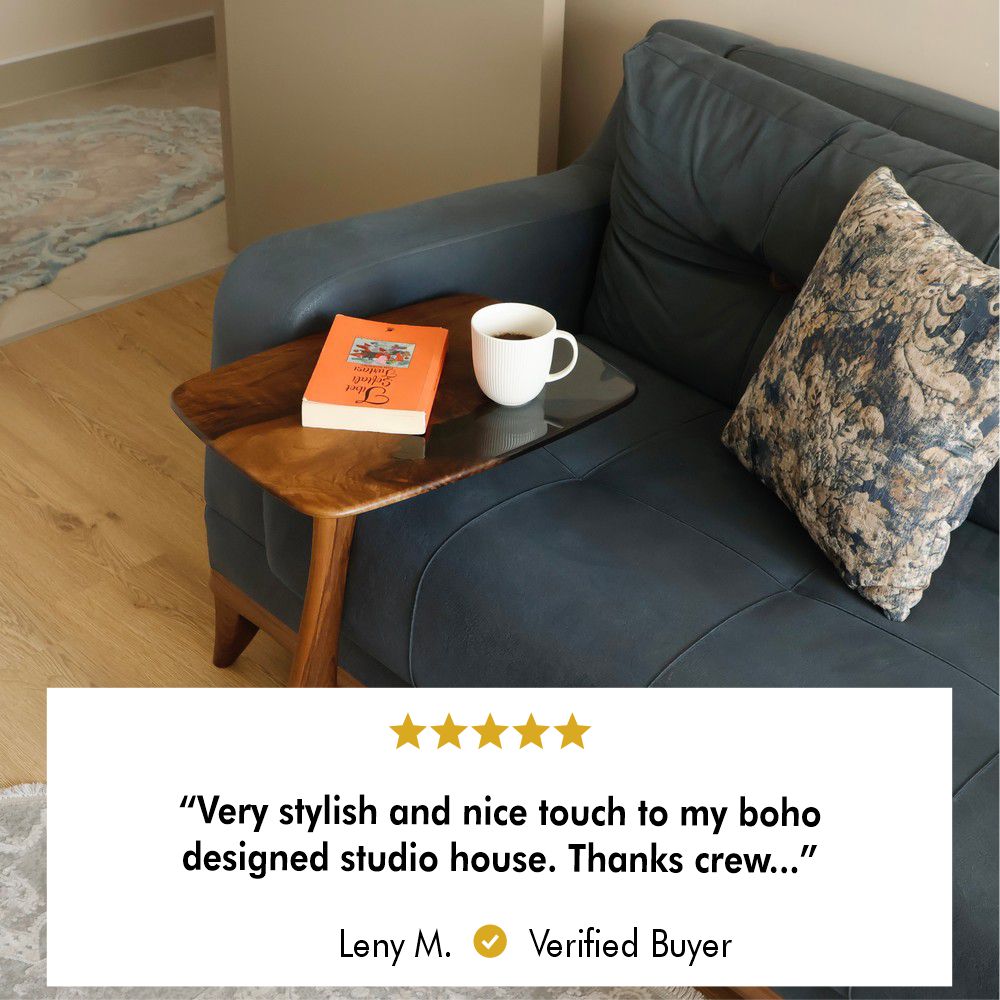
<point x="534" y="240"/>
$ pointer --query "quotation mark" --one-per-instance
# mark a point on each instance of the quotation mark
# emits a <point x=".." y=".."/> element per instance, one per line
<point x="189" y="801"/>
<point x="808" y="851"/>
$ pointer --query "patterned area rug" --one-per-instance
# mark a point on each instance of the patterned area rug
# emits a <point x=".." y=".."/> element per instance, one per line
<point x="22" y="938"/>
<point x="67" y="183"/>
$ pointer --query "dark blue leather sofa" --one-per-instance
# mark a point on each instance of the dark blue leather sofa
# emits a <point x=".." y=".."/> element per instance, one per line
<point x="638" y="551"/>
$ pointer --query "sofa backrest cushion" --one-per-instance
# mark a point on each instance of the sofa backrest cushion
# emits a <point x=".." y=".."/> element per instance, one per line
<point x="726" y="186"/>
<point x="908" y="109"/>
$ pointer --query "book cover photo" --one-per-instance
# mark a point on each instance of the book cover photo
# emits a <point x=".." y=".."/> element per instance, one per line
<point x="374" y="376"/>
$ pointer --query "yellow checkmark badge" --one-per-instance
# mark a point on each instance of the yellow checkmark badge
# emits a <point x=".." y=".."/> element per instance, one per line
<point x="490" y="941"/>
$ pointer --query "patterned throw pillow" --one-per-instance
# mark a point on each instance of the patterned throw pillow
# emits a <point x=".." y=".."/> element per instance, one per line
<point x="873" y="414"/>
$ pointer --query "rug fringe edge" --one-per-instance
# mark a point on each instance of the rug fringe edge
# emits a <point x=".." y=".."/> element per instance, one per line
<point x="23" y="791"/>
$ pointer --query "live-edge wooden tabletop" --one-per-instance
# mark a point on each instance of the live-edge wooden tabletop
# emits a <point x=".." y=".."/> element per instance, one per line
<point x="249" y="412"/>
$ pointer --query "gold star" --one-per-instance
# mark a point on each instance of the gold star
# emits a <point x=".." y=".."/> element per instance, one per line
<point x="407" y="731"/>
<point x="531" y="732"/>
<point x="448" y="732"/>
<point x="489" y="732"/>
<point x="572" y="732"/>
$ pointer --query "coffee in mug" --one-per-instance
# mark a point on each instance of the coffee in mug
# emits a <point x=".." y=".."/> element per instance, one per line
<point x="512" y="345"/>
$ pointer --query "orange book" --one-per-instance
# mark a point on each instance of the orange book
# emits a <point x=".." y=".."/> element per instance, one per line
<point x="375" y="377"/>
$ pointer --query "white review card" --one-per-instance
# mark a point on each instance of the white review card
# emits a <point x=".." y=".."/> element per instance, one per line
<point x="499" y="837"/>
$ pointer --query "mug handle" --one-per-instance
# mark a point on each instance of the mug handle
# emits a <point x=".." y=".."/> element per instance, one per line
<point x="563" y="372"/>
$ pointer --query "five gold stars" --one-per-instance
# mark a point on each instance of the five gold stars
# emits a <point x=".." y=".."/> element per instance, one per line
<point x="449" y="733"/>
<point x="489" y="732"/>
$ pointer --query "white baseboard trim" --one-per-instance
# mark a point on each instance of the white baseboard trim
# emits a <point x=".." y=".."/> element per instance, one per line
<point x="106" y="58"/>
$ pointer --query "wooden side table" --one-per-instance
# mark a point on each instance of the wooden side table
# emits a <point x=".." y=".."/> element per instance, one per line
<point x="249" y="413"/>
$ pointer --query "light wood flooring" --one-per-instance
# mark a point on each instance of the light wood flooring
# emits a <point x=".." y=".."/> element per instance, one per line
<point x="103" y="567"/>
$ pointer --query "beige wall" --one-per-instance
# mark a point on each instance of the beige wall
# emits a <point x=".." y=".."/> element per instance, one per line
<point x="340" y="107"/>
<point x="947" y="44"/>
<point x="30" y="27"/>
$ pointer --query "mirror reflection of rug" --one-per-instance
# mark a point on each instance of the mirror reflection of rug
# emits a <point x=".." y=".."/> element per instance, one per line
<point x="68" y="183"/>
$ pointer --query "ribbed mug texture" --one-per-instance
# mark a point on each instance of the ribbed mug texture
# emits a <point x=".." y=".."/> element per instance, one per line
<point x="513" y="372"/>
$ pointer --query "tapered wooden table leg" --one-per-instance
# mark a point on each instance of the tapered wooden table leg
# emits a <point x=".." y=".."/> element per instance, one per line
<point x="315" y="663"/>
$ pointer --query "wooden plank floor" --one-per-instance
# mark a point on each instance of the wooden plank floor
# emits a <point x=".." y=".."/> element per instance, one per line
<point x="103" y="568"/>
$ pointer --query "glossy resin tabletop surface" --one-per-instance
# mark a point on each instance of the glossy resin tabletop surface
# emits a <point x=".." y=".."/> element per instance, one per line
<point x="250" y="413"/>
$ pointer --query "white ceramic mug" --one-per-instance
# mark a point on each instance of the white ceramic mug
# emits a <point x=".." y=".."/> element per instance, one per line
<point x="513" y="372"/>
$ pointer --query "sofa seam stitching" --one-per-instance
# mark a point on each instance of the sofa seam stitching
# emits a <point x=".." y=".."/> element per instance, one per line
<point x="985" y="766"/>
<point x="557" y="482"/>
<point x="802" y="579"/>
<point x="899" y="114"/>
<point x="440" y="547"/>
<point x="849" y="152"/>
<point x="647" y="440"/>
<point x="620" y="492"/>
<point x="687" y="235"/>
<point x="769" y="111"/>
<point x="925" y="172"/>
<point x="547" y="449"/>
<point x="672" y="662"/>
<point x="218" y="513"/>
<point x="907" y="105"/>
<point x="754" y="268"/>
<point x="909" y="642"/>
<point x="829" y="141"/>
<point x="928" y="173"/>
